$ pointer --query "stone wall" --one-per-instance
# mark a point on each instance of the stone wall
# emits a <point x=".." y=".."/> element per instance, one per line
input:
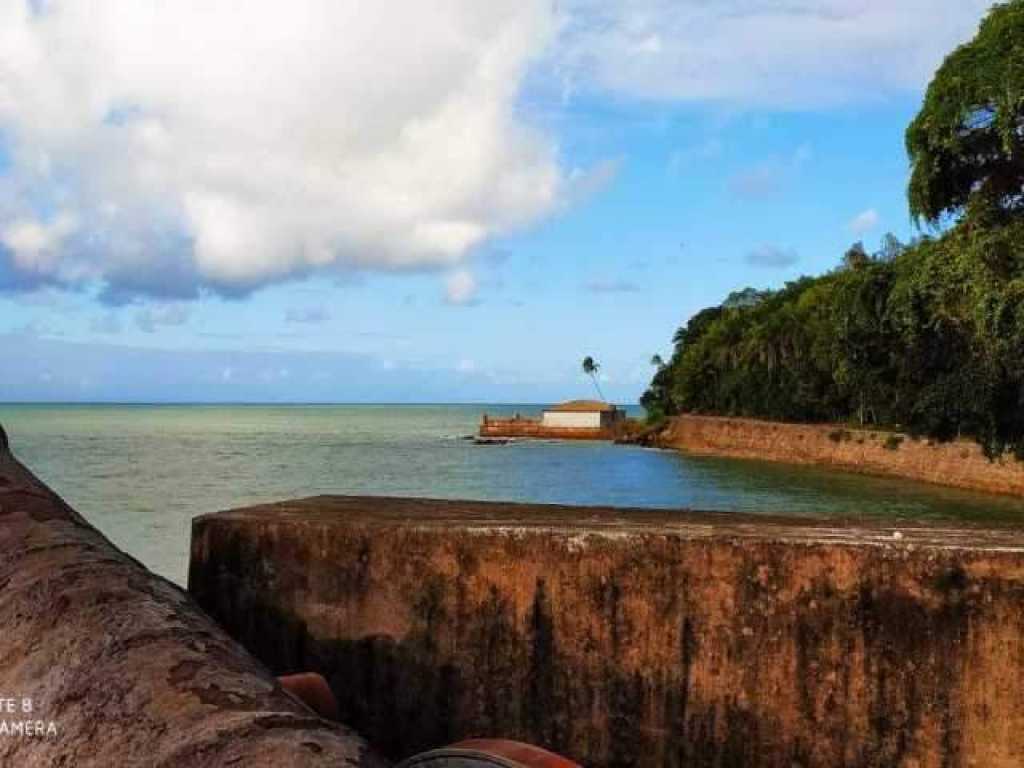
<point x="959" y="464"/>
<point x="631" y="637"/>
<point x="532" y="428"/>
<point x="120" y="668"/>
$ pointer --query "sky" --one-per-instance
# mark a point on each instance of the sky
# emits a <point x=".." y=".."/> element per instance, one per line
<point x="338" y="201"/>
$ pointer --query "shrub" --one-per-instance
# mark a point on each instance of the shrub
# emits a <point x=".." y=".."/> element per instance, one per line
<point x="893" y="442"/>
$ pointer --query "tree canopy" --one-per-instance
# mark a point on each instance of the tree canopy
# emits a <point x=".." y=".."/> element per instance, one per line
<point x="591" y="367"/>
<point x="966" y="145"/>
<point x="930" y="340"/>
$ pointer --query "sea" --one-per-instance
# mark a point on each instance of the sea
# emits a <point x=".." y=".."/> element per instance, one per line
<point x="140" y="473"/>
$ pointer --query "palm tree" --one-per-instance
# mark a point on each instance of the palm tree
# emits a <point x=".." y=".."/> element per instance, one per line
<point x="657" y="361"/>
<point x="591" y="367"/>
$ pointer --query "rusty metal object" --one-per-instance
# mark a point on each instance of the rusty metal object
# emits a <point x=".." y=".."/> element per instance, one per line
<point x="120" y="667"/>
<point x="488" y="753"/>
<point x="313" y="691"/>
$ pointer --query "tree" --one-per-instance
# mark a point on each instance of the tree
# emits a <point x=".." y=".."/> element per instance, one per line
<point x="657" y="399"/>
<point x="966" y="145"/>
<point x="657" y="361"/>
<point x="591" y="367"/>
<point x="748" y="297"/>
<point x="891" y="248"/>
<point x="856" y="256"/>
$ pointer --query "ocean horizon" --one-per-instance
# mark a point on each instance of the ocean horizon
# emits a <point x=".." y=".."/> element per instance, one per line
<point x="141" y="472"/>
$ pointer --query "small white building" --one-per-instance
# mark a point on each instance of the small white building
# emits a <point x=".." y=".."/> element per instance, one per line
<point x="582" y="414"/>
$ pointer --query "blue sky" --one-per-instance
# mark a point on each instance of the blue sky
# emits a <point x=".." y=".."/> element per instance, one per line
<point x="400" y="230"/>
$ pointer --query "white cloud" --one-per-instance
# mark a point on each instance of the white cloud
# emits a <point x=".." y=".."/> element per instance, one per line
<point x="864" y="222"/>
<point x="461" y="289"/>
<point x="772" y="256"/>
<point x="203" y="142"/>
<point x="108" y="323"/>
<point x="149" y="319"/>
<point x="162" y="147"/>
<point x="769" y="178"/>
<point x="775" y="53"/>
<point x="585" y="184"/>
<point x="35" y="245"/>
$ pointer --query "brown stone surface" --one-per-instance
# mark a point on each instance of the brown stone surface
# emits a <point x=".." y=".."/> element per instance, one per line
<point x="960" y="464"/>
<point x="631" y="637"/>
<point x="532" y="428"/>
<point x="123" y="663"/>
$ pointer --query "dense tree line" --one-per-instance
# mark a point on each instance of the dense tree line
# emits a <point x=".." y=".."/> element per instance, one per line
<point x="927" y="337"/>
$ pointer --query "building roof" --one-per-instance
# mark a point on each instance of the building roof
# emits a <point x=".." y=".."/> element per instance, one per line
<point x="582" y="406"/>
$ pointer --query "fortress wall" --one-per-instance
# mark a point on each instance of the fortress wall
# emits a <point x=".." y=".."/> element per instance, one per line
<point x="960" y="464"/>
<point x="631" y="637"/>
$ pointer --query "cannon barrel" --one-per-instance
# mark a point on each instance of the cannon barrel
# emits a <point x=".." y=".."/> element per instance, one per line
<point x="103" y="663"/>
<point x="488" y="753"/>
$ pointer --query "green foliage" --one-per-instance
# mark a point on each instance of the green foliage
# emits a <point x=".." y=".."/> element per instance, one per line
<point x="928" y="336"/>
<point x="967" y="144"/>
<point x="893" y="442"/>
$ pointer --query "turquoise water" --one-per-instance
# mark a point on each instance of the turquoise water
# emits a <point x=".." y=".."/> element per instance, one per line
<point x="140" y="473"/>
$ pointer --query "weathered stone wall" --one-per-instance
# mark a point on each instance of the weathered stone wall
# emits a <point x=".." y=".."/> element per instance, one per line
<point x="960" y="464"/>
<point x="532" y="428"/>
<point x="630" y="637"/>
<point x="123" y="664"/>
